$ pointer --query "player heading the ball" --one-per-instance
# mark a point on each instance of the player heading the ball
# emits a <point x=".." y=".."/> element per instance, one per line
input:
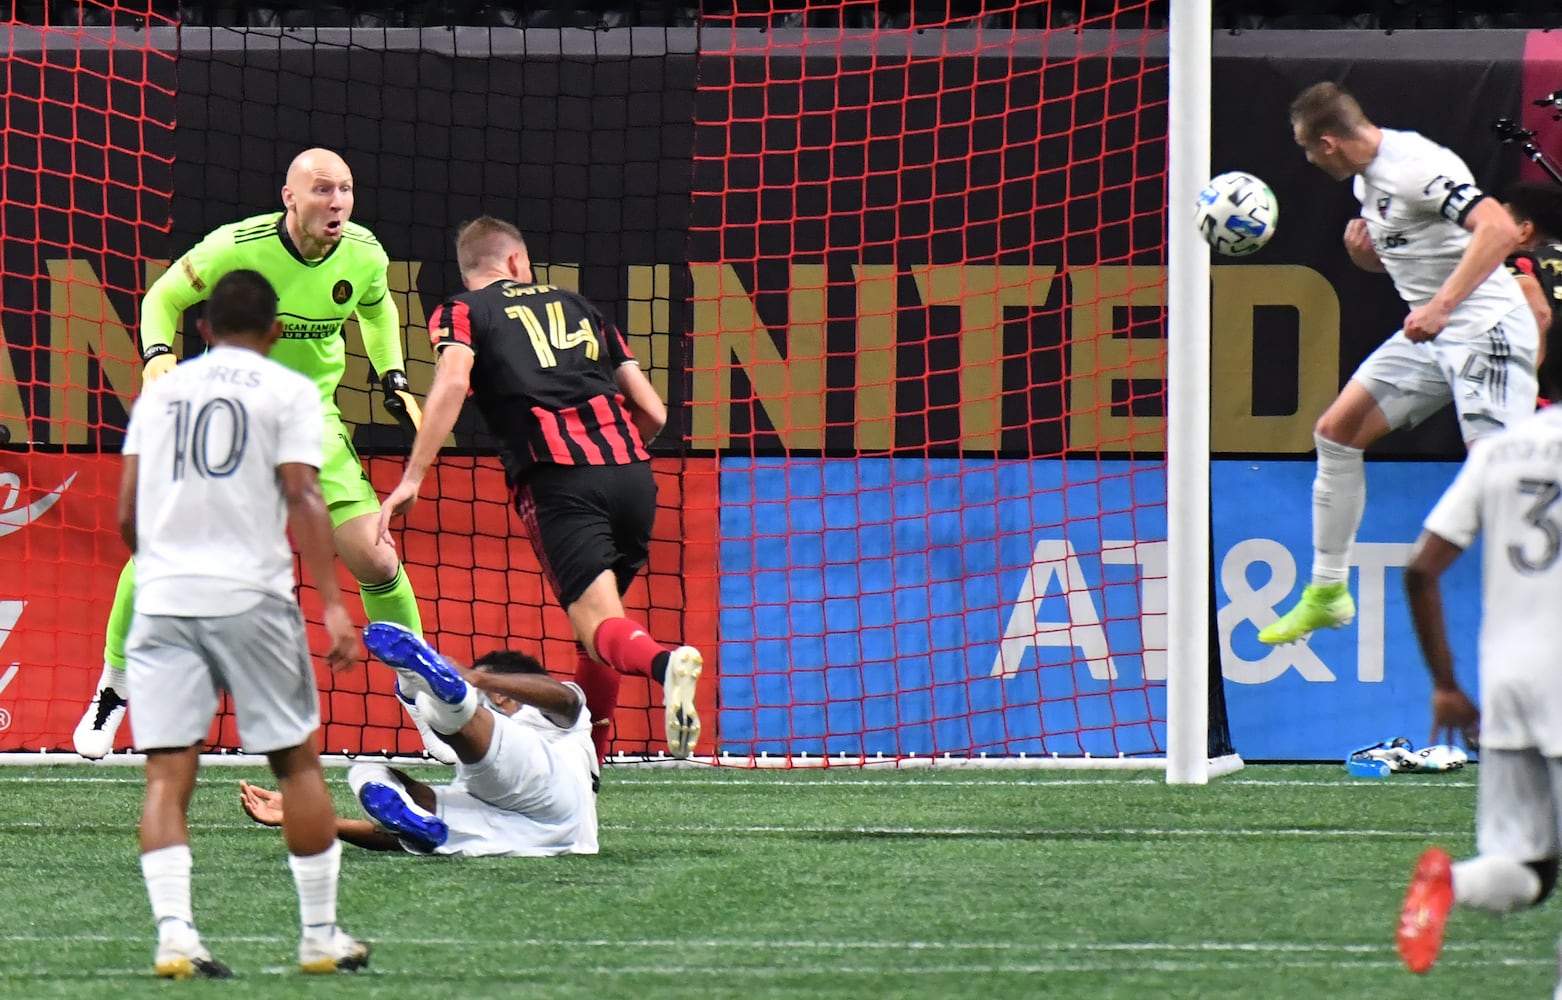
<point x="1469" y="339"/>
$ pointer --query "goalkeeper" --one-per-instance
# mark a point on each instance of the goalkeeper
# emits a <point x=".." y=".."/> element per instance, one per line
<point x="325" y="269"/>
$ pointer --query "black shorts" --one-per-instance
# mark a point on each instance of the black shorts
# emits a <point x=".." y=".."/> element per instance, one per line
<point x="584" y="519"/>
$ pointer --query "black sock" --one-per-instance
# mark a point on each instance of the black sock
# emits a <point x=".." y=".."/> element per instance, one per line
<point x="659" y="666"/>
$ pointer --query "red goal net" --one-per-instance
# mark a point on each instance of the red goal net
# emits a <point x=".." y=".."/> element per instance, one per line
<point x="86" y="150"/>
<point x="928" y="286"/>
<point x="900" y="273"/>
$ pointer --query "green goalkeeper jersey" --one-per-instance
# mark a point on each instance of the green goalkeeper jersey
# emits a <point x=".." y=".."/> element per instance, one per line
<point x="314" y="298"/>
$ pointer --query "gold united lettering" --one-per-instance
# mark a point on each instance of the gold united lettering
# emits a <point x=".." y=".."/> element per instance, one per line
<point x="91" y="349"/>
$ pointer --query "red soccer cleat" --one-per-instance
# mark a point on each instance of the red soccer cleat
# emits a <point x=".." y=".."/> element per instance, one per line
<point x="1425" y="913"/>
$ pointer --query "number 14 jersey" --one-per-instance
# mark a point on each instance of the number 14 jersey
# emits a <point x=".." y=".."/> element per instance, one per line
<point x="545" y="375"/>
<point x="211" y="520"/>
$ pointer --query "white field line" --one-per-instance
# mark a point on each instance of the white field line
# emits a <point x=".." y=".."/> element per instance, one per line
<point x="772" y="944"/>
<point x="901" y="831"/>
<point x="615" y="780"/>
<point x="793" y="969"/>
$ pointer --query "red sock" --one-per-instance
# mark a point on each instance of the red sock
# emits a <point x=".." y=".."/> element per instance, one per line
<point x="600" y="684"/>
<point x="625" y="647"/>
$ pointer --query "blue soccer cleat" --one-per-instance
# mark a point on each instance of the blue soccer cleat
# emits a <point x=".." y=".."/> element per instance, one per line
<point x="417" y="830"/>
<point x="405" y="650"/>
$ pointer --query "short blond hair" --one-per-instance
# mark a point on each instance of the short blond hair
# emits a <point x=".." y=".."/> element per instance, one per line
<point x="484" y="240"/>
<point x="1327" y="109"/>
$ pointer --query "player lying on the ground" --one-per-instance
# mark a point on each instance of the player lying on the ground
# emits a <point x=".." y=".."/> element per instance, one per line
<point x="326" y="269"/>
<point x="526" y="779"/>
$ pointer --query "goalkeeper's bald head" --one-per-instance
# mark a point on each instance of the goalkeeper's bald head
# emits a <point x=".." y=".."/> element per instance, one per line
<point x="489" y="250"/>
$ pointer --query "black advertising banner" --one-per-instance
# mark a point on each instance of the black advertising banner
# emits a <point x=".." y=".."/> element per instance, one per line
<point x="862" y="202"/>
<point x="951" y="211"/>
<point x="580" y="139"/>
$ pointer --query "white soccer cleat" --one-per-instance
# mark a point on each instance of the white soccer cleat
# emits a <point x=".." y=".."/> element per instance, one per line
<point x="94" y="736"/>
<point x="683" y="678"/>
<point x="335" y="952"/>
<point x="182" y="956"/>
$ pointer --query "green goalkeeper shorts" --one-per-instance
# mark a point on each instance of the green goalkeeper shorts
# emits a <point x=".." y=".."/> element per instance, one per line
<point x="343" y="483"/>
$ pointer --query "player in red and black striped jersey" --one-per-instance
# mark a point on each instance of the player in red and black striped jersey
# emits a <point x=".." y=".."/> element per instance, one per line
<point x="1537" y="208"/>
<point x="559" y="388"/>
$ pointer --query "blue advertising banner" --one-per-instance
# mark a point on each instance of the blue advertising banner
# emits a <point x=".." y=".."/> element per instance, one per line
<point x="1342" y="688"/>
<point x="901" y="606"/>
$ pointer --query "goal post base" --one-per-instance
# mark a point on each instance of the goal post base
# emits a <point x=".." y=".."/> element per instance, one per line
<point x="1218" y="766"/>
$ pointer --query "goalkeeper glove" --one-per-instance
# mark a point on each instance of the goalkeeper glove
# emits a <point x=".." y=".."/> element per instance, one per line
<point x="400" y="402"/>
<point x="157" y="361"/>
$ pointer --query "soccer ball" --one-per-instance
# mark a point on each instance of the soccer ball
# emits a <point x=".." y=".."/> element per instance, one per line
<point x="1237" y="213"/>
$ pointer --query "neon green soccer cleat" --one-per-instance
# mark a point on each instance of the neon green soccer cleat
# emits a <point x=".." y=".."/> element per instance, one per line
<point x="1322" y="606"/>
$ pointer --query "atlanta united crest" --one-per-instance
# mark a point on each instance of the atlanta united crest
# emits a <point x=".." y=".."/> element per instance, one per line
<point x="342" y="292"/>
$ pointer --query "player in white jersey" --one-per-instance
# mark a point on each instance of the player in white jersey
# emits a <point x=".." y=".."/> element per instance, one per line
<point x="1469" y="339"/>
<point x="526" y="777"/>
<point x="1509" y="489"/>
<point x="221" y="459"/>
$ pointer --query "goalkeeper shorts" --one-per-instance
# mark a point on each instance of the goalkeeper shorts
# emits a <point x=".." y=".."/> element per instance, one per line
<point x="343" y="482"/>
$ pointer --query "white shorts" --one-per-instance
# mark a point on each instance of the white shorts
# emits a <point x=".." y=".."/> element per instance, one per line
<point x="176" y="668"/>
<point x="529" y="797"/>
<point x="1489" y="375"/>
<point x="1517" y="805"/>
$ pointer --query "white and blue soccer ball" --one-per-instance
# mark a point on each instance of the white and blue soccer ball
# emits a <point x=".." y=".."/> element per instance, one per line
<point x="1237" y="213"/>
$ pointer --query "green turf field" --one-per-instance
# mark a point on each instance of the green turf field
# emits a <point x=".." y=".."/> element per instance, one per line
<point x="1276" y="882"/>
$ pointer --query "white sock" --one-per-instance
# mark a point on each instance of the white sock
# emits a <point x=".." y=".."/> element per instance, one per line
<point x="316" y="877"/>
<point x="114" y="677"/>
<point x="444" y="718"/>
<point x="1495" y="884"/>
<point x="167" y="874"/>
<point x="1339" y="497"/>
<point x="361" y="774"/>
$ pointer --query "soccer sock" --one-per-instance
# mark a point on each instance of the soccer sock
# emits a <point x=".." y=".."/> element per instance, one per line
<point x="362" y="774"/>
<point x="315" y="877"/>
<point x="625" y="647"/>
<point x="600" y="684"/>
<point x="1495" y="884"/>
<point x="393" y="601"/>
<point x="118" y="627"/>
<point x="1339" y="497"/>
<point x="167" y="874"/>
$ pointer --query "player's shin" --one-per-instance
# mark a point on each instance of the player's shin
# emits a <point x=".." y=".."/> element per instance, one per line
<point x="600" y="684"/>
<point x="316" y="877"/>
<point x="167" y="874"/>
<point x="626" y="647"/>
<point x="1339" y="497"/>
<point x="95" y="733"/>
<point x="392" y="601"/>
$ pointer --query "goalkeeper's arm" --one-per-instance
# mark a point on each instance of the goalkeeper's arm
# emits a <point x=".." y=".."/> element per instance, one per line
<point x="381" y="329"/>
<point x="177" y="289"/>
